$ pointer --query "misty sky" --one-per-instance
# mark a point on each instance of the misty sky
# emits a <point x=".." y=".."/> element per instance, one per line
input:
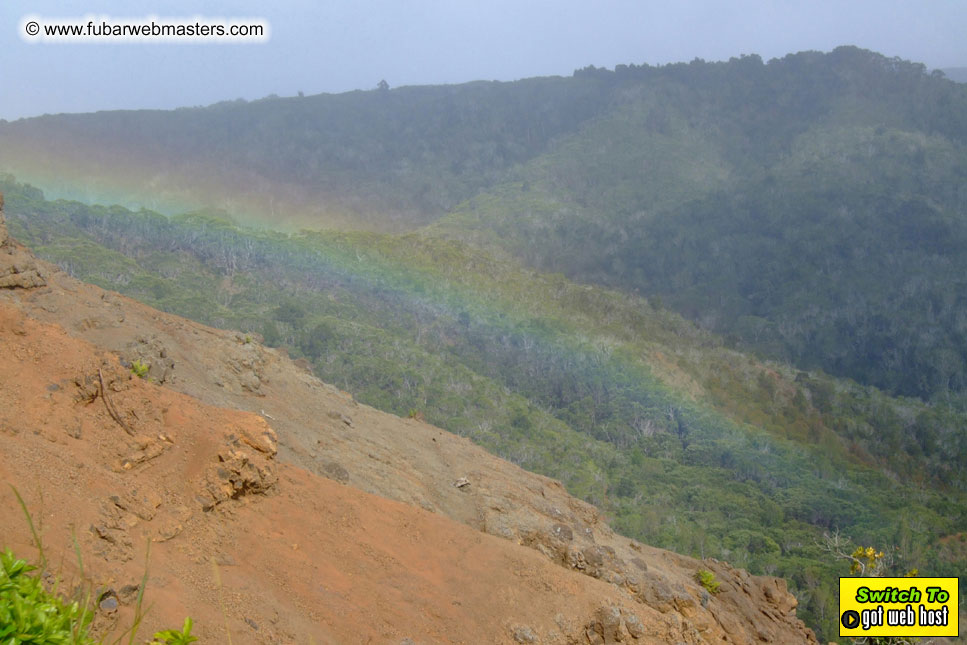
<point x="319" y="46"/>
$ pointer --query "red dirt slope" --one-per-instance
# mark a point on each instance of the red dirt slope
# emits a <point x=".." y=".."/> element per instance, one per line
<point x="120" y="461"/>
<point x="300" y="555"/>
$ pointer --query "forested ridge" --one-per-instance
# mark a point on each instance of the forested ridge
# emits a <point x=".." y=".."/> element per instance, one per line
<point x="768" y="202"/>
<point x="763" y="200"/>
<point x="686" y="443"/>
<point x="392" y="159"/>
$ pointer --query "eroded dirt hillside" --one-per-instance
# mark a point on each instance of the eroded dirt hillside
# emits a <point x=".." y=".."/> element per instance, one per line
<point x="326" y="518"/>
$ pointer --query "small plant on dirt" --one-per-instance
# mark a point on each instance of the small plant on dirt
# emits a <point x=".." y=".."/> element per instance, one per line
<point x="174" y="636"/>
<point x="417" y="414"/>
<point x="707" y="579"/>
<point x="32" y="614"/>
<point x="140" y="369"/>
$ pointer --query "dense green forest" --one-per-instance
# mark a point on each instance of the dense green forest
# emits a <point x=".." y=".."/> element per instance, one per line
<point x="766" y="201"/>
<point x="683" y="441"/>
<point x="392" y="159"/>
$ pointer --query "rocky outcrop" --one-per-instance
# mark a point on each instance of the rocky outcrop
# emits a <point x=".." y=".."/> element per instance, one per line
<point x="18" y="268"/>
<point x="243" y="466"/>
<point x="150" y="355"/>
<point x="17" y="274"/>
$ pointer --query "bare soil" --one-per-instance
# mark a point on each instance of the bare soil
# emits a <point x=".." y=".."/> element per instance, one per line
<point x="280" y="510"/>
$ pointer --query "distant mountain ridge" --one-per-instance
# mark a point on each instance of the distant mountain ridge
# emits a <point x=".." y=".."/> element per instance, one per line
<point x="380" y="159"/>
<point x="764" y="200"/>
<point x="403" y="157"/>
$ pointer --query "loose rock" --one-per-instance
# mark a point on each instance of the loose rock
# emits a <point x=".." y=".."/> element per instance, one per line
<point x="523" y="634"/>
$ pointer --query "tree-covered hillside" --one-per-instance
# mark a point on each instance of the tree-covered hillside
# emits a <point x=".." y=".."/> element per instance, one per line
<point x="813" y="209"/>
<point x="380" y="159"/>
<point x="687" y="444"/>
<point x="810" y="208"/>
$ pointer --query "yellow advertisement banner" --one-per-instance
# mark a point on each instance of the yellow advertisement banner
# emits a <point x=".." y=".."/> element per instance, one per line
<point x="898" y="607"/>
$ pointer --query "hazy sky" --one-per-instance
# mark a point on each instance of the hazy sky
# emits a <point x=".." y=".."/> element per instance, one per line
<point x="320" y="46"/>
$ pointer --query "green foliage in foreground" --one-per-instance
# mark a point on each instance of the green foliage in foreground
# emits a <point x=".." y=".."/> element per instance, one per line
<point x="685" y="443"/>
<point x="175" y="636"/>
<point x="33" y="614"/>
<point x="29" y="614"/>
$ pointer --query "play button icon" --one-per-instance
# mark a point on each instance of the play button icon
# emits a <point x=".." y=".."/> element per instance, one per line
<point x="850" y="619"/>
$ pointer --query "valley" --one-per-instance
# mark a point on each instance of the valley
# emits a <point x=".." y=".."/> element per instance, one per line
<point x="720" y="303"/>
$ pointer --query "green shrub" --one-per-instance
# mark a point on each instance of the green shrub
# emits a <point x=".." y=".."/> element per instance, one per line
<point x="31" y="614"/>
<point x="140" y="369"/>
<point x="707" y="579"/>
